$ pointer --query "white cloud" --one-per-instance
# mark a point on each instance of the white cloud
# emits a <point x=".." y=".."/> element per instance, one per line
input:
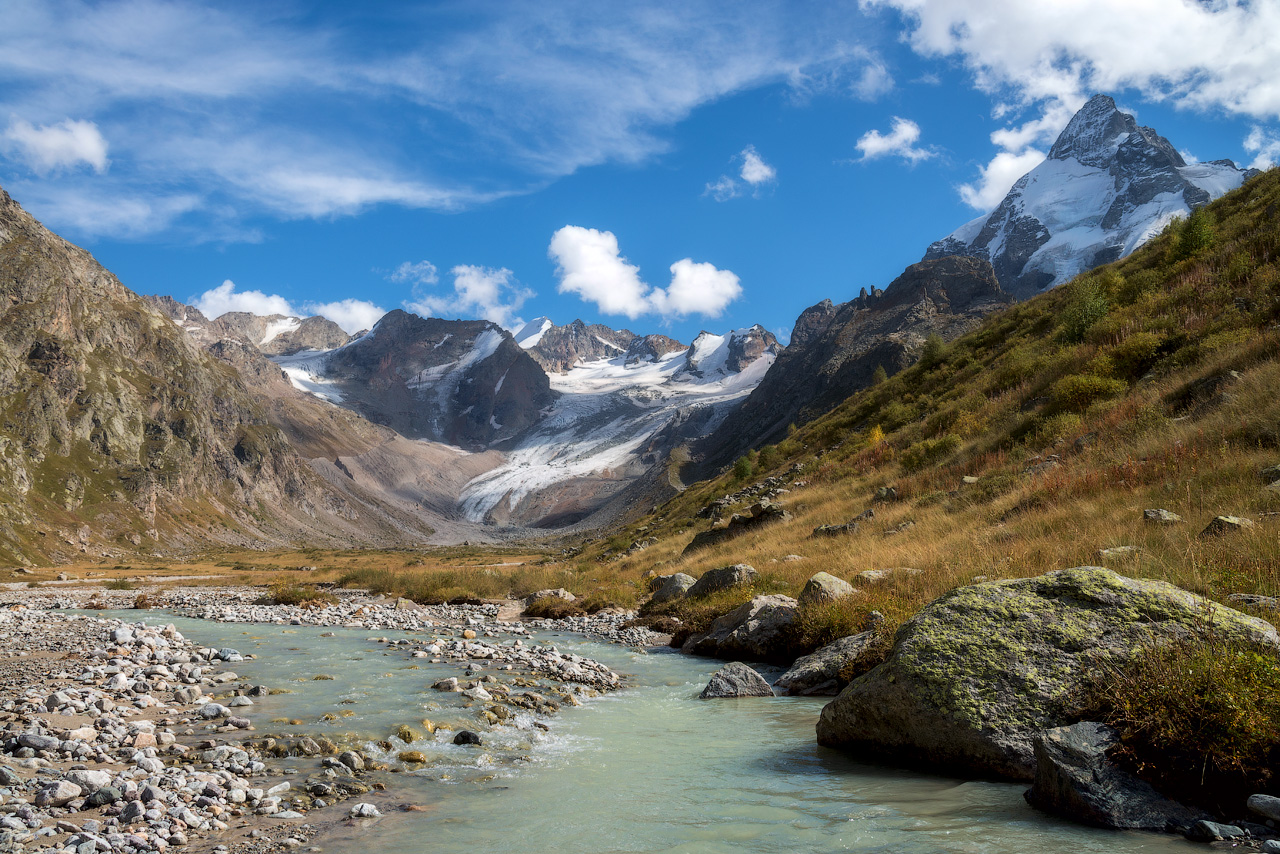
<point x="899" y="142"/>
<point x="350" y="314"/>
<point x="874" y="81"/>
<point x="478" y="292"/>
<point x="754" y="170"/>
<point x="724" y="189"/>
<point x="696" y="288"/>
<point x="590" y="265"/>
<point x="997" y="177"/>
<point x="216" y="302"/>
<point x="49" y="148"/>
<point x="1264" y="146"/>
<point x="353" y="315"/>
<point x="421" y="273"/>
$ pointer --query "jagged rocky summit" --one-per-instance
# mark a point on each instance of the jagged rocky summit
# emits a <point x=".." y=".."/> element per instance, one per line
<point x="1107" y="186"/>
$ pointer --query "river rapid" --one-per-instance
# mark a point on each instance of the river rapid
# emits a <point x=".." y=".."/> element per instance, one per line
<point x="649" y="768"/>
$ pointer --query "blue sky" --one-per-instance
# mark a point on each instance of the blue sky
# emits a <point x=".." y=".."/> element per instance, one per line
<point x="667" y="167"/>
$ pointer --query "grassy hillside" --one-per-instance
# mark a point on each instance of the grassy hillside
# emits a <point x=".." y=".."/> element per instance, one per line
<point x="1149" y="383"/>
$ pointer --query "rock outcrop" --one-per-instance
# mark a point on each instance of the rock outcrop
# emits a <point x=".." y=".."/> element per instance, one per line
<point x="759" y="630"/>
<point x="1075" y="779"/>
<point x="760" y="514"/>
<point x="975" y="678"/>
<point x="836" y="350"/>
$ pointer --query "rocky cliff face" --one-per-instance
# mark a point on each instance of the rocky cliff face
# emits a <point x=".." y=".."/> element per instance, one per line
<point x="464" y="382"/>
<point x="109" y="412"/>
<point x="1107" y="186"/>
<point x="559" y="348"/>
<point x="835" y="349"/>
<point x="272" y="335"/>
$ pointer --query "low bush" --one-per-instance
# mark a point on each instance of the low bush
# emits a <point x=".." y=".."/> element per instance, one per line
<point x="1199" y="719"/>
<point x="303" y="595"/>
<point x="553" y="608"/>
<point x="118" y="584"/>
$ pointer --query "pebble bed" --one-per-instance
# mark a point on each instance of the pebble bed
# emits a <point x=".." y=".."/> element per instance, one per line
<point x="127" y="737"/>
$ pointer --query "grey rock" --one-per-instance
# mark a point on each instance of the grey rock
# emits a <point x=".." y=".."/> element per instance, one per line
<point x="89" y="781"/>
<point x="365" y="811"/>
<point x="1118" y="552"/>
<point x="1225" y="525"/>
<point x="824" y="587"/>
<point x="674" y="587"/>
<point x="39" y="742"/>
<point x="352" y="760"/>
<point x="103" y="797"/>
<point x="974" y="678"/>
<point x="876" y="576"/>
<point x="763" y="513"/>
<point x="1212" y="831"/>
<point x="715" y="580"/>
<point x="9" y="777"/>
<point x="1266" y="806"/>
<point x="1075" y="779"/>
<point x="758" y="630"/>
<point x="1160" y="517"/>
<point x="819" y="673"/>
<point x="57" y="794"/>
<point x="1270" y="474"/>
<point x="736" y="679"/>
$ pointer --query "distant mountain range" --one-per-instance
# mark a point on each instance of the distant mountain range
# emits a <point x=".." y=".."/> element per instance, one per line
<point x="140" y="423"/>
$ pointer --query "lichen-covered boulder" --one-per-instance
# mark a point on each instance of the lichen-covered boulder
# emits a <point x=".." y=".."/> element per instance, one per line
<point x="978" y="674"/>
<point x="824" y="587"/>
<point x="759" y="630"/>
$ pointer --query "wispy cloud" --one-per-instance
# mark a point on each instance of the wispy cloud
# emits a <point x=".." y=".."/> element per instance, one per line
<point x="753" y="171"/>
<point x="485" y="292"/>
<point x="242" y="111"/>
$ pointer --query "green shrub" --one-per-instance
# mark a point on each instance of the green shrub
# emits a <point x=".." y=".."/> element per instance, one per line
<point x="1075" y="392"/>
<point x="118" y="584"/>
<point x="928" y="451"/>
<point x="1199" y="718"/>
<point x="304" y="595"/>
<point x="743" y="468"/>
<point x="1086" y="305"/>
<point x="1135" y="354"/>
<point x="933" y="351"/>
<point x="1196" y="234"/>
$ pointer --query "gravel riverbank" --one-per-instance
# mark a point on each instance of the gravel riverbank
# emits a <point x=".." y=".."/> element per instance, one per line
<point x="127" y="736"/>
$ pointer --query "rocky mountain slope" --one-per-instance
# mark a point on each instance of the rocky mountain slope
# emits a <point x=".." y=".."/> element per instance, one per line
<point x="273" y="335"/>
<point x="110" y="414"/>
<point x="836" y="349"/>
<point x="1106" y="188"/>
<point x="463" y="382"/>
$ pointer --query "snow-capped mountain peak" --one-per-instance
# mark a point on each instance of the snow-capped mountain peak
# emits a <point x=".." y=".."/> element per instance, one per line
<point x="1106" y="188"/>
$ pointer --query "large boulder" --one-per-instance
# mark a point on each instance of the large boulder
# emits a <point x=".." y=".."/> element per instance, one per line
<point x="759" y="630"/>
<point x="820" y="673"/>
<point x="672" y="587"/>
<point x="736" y="679"/>
<point x="1075" y="779"/>
<point x="978" y="674"/>
<point x="824" y="587"/>
<point x="715" y="580"/>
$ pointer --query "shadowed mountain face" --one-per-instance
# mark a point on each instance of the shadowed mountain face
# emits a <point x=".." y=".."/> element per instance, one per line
<point x="835" y="349"/>
<point x="1107" y="186"/>
<point x="464" y="382"/>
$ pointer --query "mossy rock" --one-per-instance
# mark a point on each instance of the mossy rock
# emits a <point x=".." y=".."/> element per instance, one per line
<point x="975" y="676"/>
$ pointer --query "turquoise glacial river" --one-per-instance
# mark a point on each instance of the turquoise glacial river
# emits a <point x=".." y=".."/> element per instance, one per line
<point x="650" y="768"/>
